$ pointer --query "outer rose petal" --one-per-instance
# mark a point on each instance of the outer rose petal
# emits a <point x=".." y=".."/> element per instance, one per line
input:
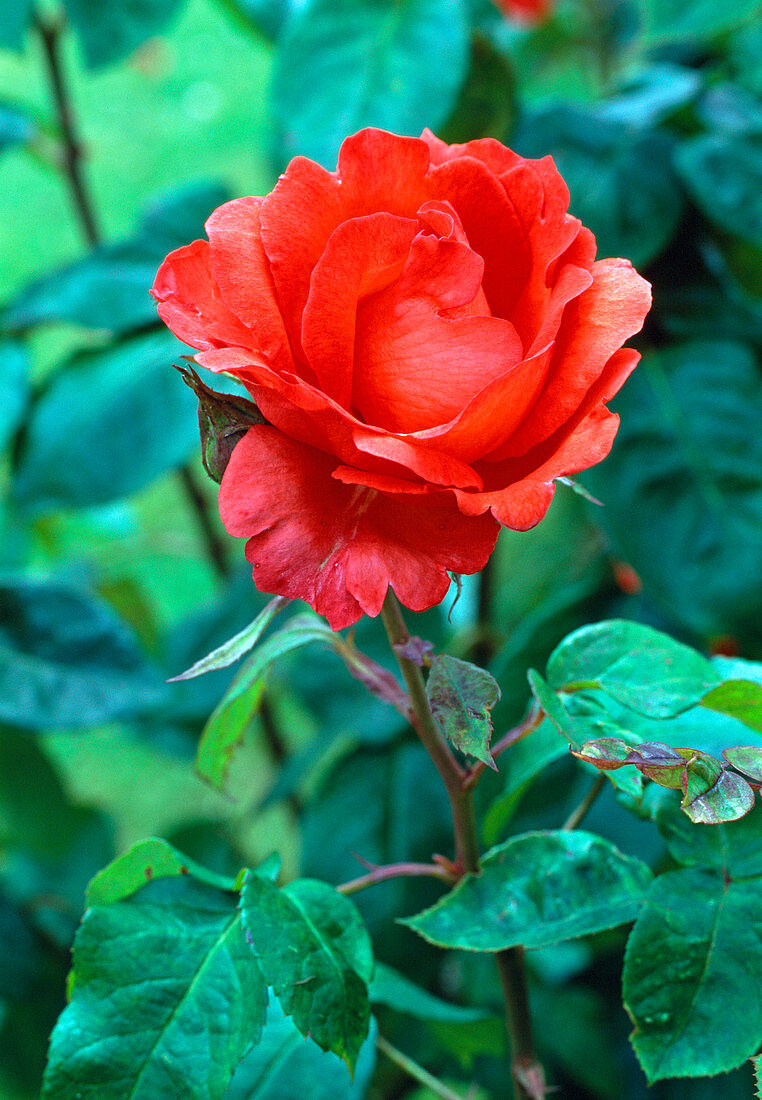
<point x="340" y="546"/>
<point x="190" y="303"/>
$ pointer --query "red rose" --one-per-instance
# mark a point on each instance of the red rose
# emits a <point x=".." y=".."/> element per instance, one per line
<point x="431" y="341"/>
<point x="529" y="11"/>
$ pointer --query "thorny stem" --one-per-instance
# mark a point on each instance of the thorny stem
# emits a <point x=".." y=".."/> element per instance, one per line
<point x="395" y="870"/>
<point x="576" y="816"/>
<point x="418" y="1073"/>
<point x="425" y="725"/>
<point x="528" y="1079"/>
<point x="50" y="33"/>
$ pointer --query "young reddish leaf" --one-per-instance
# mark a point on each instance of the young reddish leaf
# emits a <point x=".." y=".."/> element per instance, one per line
<point x="727" y="799"/>
<point x="746" y="759"/>
<point x="461" y="696"/>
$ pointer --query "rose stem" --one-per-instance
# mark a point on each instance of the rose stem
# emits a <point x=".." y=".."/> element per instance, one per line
<point x="576" y="816"/>
<point x="418" y="1073"/>
<point x="510" y="963"/>
<point x="50" y="33"/>
<point x="395" y="870"/>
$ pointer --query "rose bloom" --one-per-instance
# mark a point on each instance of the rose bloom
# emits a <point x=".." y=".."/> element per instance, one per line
<point x="528" y="11"/>
<point x="431" y="341"/>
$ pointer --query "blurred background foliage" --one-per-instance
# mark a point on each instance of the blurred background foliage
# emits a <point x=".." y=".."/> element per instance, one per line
<point x="123" y="123"/>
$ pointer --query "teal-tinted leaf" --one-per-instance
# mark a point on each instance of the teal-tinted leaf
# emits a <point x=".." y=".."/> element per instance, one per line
<point x="634" y="665"/>
<point x="734" y="847"/>
<point x="108" y="289"/>
<point x="316" y="954"/>
<point x="231" y="718"/>
<point x="149" y="859"/>
<point x="394" y="990"/>
<point x="669" y="20"/>
<point x="757" y="1065"/>
<point x="656" y="91"/>
<point x="690" y="453"/>
<point x="16" y="388"/>
<point x="741" y="699"/>
<point x="344" y="64"/>
<point x="110" y="29"/>
<point x="692" y="971"/>
<point x="267" y="17"/>
<point x="109" y="423"/>
<point x="16" y="128"/>
<point x="286" y="1066"/>
<point x="237" y="646"/>
<point x="14" y="20"/>
<point x="723" y="173"/>
<point x="712" y="794"/>
<point x="535" y="890"/>
<point x="731" y="109"/>
<point x="620" y="177"/>
<point x="66" y="660"/>
<point x="461" y="695"/>
<point x="553" y="707"/>
<point x="167" y="998"/>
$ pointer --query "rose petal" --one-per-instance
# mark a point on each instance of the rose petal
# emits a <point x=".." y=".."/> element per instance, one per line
<point x="383" y="171"/>
<point x="190" y="303"/>
<point x="594" y="326"/>
<point x="362" y="256"/>
<point x="242" y="272"/>
<point x="339" y="546"/>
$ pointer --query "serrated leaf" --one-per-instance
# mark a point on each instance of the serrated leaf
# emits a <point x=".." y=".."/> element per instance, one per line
<point x="713" y="794"/>
<point x="733" y="847"/>
<point x="741" y="699"/>
<point x="461" y="695"/>
<point x="314" y="951"/>
<point x="343" y="64"/>
<point x="535" y="890"/>
<point x="67" y="660"/>
<point x="167" y="997"/>
<point x="692" y="969"/>
<point x="689" y="452"/>
<point x="285" y="1066"/>
<point x="153" y="858"/>
<point x="230" y="719"/>
<point x="110" y="29"/>
<point x="747" y="759"/>
<point x="109" y="422"/>
<point x="633" y="664"/>
<point x="235" y="648"/>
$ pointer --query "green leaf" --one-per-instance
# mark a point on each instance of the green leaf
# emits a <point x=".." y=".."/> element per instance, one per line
<point x="111" y="29"/>
<point x="633" y="664"/>
<point x="109" y="423"/>
<point x="16" y="388"/>
<point x="692" y="971"/>
<point x="537" y="889"/>
<point x="267" y="17"/>
<point x="669" y="20"/>
<point x="519" y="766"/>
<point x="107" y="289"/>
<point x="316" y="954"/>
<point x="757" y="1064"/>
<point x="734" y="847"/>
<point x="343" y="64"/>
<point x="746" y="759"/>
<point x="14" y="20"/>
<point x="166" y="999"/>
<point x="392" y="989"/>
<point x="282" y="1066"/>
<point x="66" y="660"/>
<point x="461" y="695"/>
<point x="689" y="451"/>
<point x="712" y="794"/>
<point x="620" y="176"/>
<point x="723" y="174"/>
<point x="552" y="706"/>
<point x="230" y="720"/>
<point x="149" y="859"/>
<point x="230" y="651"/>
<point x="741" y="699"/>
